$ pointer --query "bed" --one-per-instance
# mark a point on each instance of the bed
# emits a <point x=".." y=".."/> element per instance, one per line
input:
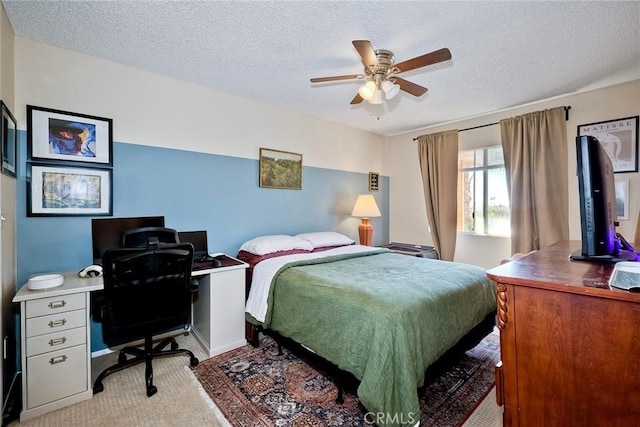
<point x="379" y="315"/>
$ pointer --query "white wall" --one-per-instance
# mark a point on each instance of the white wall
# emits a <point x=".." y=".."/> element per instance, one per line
<point x="8" y="213"/>
<point x="169" y="113"/>
<point x="150" y="109"/>
<point x="408" y="221"/>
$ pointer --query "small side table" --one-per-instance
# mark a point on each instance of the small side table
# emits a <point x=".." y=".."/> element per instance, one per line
<point x="411" y="249"/>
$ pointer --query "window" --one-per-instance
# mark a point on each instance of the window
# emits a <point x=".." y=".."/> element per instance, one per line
<point x="483" y="199"/>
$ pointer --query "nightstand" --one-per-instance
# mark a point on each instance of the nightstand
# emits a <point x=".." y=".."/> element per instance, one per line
<point x="411" y="249"/>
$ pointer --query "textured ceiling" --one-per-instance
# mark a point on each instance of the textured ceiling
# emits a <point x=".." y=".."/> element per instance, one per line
<point x="503" y="53"/>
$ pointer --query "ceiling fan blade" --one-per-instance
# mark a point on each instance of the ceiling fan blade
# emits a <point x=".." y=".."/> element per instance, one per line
<point x="334" y="78"/>
<point x="357" y="99"/>
<point x="366" y="52"/>
<point x="412" y="88"/>
<point x="424" y="60"/>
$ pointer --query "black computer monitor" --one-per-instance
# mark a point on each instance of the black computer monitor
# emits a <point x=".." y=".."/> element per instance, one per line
<point x="197" y="238"/>
<point x="106" y="233"/>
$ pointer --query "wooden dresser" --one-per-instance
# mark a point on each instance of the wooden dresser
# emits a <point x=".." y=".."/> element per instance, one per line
<point x="570" y="346"/>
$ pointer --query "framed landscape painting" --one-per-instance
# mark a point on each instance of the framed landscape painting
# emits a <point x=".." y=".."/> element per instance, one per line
<point x="69" y="191"/>
<point x="280" y="169"/>
<point x="61" y="135"/>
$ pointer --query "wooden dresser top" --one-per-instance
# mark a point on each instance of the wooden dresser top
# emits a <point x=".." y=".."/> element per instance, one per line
<point x="551" y="268"/>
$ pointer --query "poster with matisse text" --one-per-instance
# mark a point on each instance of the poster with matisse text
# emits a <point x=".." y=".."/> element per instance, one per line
<point x="64" y="136"/>
<point x="619" y="138"/>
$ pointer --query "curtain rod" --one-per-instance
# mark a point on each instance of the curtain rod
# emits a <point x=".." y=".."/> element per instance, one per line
<point x="566" y="117"/>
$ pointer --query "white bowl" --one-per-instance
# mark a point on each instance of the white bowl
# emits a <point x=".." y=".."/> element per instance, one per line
<point x="45" y="281"/>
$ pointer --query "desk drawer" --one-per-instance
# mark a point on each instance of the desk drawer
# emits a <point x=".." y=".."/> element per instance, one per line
<point x="56" y="341"/>
<point x="56" y="323"/>
<point x="46" y="306"/>
<point x="56" y="375"/>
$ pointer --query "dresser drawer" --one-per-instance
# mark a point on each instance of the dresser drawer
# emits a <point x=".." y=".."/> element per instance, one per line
<point x="46" y="306"/>
<point x="56" y="375"/>
<point x="56" y="341"/>
<point x="55" y="323"/>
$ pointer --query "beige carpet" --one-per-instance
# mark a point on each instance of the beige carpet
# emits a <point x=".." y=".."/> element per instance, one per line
<point x="488" y="413"/>
<point x="180" y="400"/>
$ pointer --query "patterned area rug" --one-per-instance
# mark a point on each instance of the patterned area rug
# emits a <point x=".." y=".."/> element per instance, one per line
<point x="258" y="387"/>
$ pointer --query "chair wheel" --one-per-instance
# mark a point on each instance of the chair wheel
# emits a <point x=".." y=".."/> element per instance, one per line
<point x="98" y="388"/>
<point x="151" y="390"/>
<point x="174" y="345"/>
<point x="194" y="361"/>
<point x="122" y="357"/>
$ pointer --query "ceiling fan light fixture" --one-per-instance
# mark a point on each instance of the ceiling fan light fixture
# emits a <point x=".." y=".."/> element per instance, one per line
<point x="368" y="90"/>
<point x="380" y="71"/>
<point x="377" y="98"/>
<point x="390" y="89"/>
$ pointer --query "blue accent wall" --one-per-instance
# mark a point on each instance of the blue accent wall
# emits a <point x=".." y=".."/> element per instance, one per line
<point x="194" y="191"/>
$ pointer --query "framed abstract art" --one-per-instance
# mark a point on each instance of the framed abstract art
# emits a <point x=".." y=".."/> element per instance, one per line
<point x="55" y="135"/>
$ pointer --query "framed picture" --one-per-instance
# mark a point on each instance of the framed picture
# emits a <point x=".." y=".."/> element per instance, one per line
<point x="619" y="138"/>
<point x="65" y="191"/>
<point x="8" y="147"/>
<point x="622" y="198"/>
<point x="280" y="169"/>
<point x="61" y="135"/>
<point x="374" y="181"/>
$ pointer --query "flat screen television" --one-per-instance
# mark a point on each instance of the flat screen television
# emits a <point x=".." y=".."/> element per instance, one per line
<point x="106" y="233"/>
<point x="596" y="187"/>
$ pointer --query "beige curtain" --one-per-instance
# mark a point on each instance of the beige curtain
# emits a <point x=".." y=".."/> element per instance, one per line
<point x="438" y="155"/>
<point x="535" y="157"/>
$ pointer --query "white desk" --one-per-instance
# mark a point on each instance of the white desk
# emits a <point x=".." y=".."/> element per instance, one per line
<point x="217" y="314"/>
<point x="56" y="336"/>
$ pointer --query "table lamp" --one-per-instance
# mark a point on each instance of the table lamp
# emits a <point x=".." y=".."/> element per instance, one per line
<point x="365" y="208"/>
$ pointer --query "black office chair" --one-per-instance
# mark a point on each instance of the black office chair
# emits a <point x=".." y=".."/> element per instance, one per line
<point x="139" y="237"/>
<point x="143" y="236"/>
<point x="147" y="291"/>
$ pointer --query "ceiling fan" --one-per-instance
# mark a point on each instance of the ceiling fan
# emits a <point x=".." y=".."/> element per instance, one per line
<point x="381" y="72"/>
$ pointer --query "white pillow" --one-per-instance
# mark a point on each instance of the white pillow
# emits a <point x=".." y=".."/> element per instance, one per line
<point x="263" y="245"/>
<point x="322" y="239"/>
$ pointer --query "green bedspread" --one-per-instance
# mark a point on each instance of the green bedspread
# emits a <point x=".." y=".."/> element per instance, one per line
<point x="381" y="316"/>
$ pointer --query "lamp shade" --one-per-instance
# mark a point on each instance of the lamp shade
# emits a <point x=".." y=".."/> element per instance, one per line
<point x="390" y="89"/>
<point x="376" y="99"/>
<point x="367" y="90"/>
<point x="365" y="207"/>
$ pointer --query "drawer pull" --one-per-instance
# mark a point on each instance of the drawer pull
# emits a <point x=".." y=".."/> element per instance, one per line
<point x="58" y="359"/>
<point x="57" y="341"/>
<point x="57" y="304"/>
<point x="56" y="323"/>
